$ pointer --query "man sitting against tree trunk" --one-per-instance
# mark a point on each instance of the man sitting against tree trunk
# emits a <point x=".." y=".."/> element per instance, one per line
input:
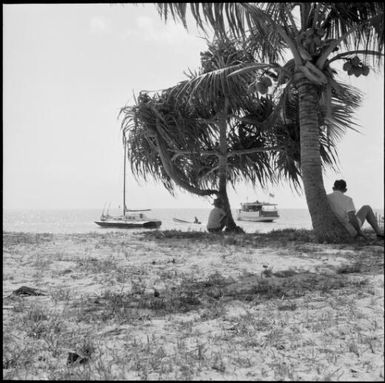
<point x="217" y="217"/>
<point x="343" y="208"/>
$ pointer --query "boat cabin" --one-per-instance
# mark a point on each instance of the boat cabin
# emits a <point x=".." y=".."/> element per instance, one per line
<point x="258" y="206"/>
<point x="258" y="211"/>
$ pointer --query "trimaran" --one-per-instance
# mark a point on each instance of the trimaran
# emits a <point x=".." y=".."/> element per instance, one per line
<point x="130" y="218"/>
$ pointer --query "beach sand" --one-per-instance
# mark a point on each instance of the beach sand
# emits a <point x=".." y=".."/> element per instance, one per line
<point x="192" y="306"/>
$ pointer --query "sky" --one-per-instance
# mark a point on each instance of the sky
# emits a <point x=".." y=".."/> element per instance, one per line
<point x="68" y="69"/>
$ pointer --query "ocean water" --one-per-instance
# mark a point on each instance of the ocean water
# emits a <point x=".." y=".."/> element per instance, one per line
<point x="82" y="220"/>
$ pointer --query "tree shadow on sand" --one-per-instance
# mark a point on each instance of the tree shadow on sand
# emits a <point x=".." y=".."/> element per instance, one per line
<point x="204" y="294"/>
<point x="362" y="259"/>
<point x="275" y="238"/>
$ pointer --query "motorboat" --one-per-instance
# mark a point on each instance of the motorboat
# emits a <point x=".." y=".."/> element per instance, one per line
<point x="258" y="212"/>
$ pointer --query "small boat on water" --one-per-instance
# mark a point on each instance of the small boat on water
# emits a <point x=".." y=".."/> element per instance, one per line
<point x="257" y="212"/>
<point x="183" y="221"/>
<point x="130" y="218"/>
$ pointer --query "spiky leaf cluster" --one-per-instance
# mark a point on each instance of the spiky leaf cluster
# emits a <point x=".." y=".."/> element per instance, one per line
<point x="223" y="53"/>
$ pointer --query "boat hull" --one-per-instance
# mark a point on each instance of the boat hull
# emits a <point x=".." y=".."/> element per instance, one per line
<point x="257" y="219"/>
<point x="129" y="225"/>
<point x="259" y="216"/>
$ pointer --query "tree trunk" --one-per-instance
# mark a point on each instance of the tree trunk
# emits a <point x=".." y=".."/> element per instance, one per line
<point x="325" y="224"/>
<point x="222" y="172"/>
<point x="230" y="223"/>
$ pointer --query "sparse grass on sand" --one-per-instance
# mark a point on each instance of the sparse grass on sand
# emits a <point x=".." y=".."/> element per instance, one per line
<point x="178" y="305"/>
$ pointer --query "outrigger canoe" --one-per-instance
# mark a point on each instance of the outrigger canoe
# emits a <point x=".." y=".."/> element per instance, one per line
<point x="183" y="221"/>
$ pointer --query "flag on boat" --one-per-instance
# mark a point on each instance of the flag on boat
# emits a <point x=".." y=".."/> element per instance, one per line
<point x="271" y="195"/>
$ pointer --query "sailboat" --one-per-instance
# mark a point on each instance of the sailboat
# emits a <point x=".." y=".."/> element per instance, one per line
<point x="130" y="218"/>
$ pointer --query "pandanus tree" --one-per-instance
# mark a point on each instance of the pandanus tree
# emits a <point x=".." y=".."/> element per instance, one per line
<point x="214" y="128"/>
<point x="186" y="136"/>
<point x="301" y="41"/>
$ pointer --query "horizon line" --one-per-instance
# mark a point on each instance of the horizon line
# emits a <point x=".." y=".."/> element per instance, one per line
<point x="153" y="208"/>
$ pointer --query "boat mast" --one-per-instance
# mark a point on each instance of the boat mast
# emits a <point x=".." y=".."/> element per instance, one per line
<point x="124" y="177"/>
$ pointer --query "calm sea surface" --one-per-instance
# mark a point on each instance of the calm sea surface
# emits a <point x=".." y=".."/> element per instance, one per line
<point x="82" y="220"/>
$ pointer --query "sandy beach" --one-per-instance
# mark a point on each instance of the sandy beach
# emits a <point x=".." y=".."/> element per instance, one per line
<point x="190" y="305"/>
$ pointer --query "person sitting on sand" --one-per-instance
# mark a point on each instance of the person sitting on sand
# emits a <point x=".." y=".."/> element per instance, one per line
<point x="343" y="208"/>
<point x="217" y="217"/>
